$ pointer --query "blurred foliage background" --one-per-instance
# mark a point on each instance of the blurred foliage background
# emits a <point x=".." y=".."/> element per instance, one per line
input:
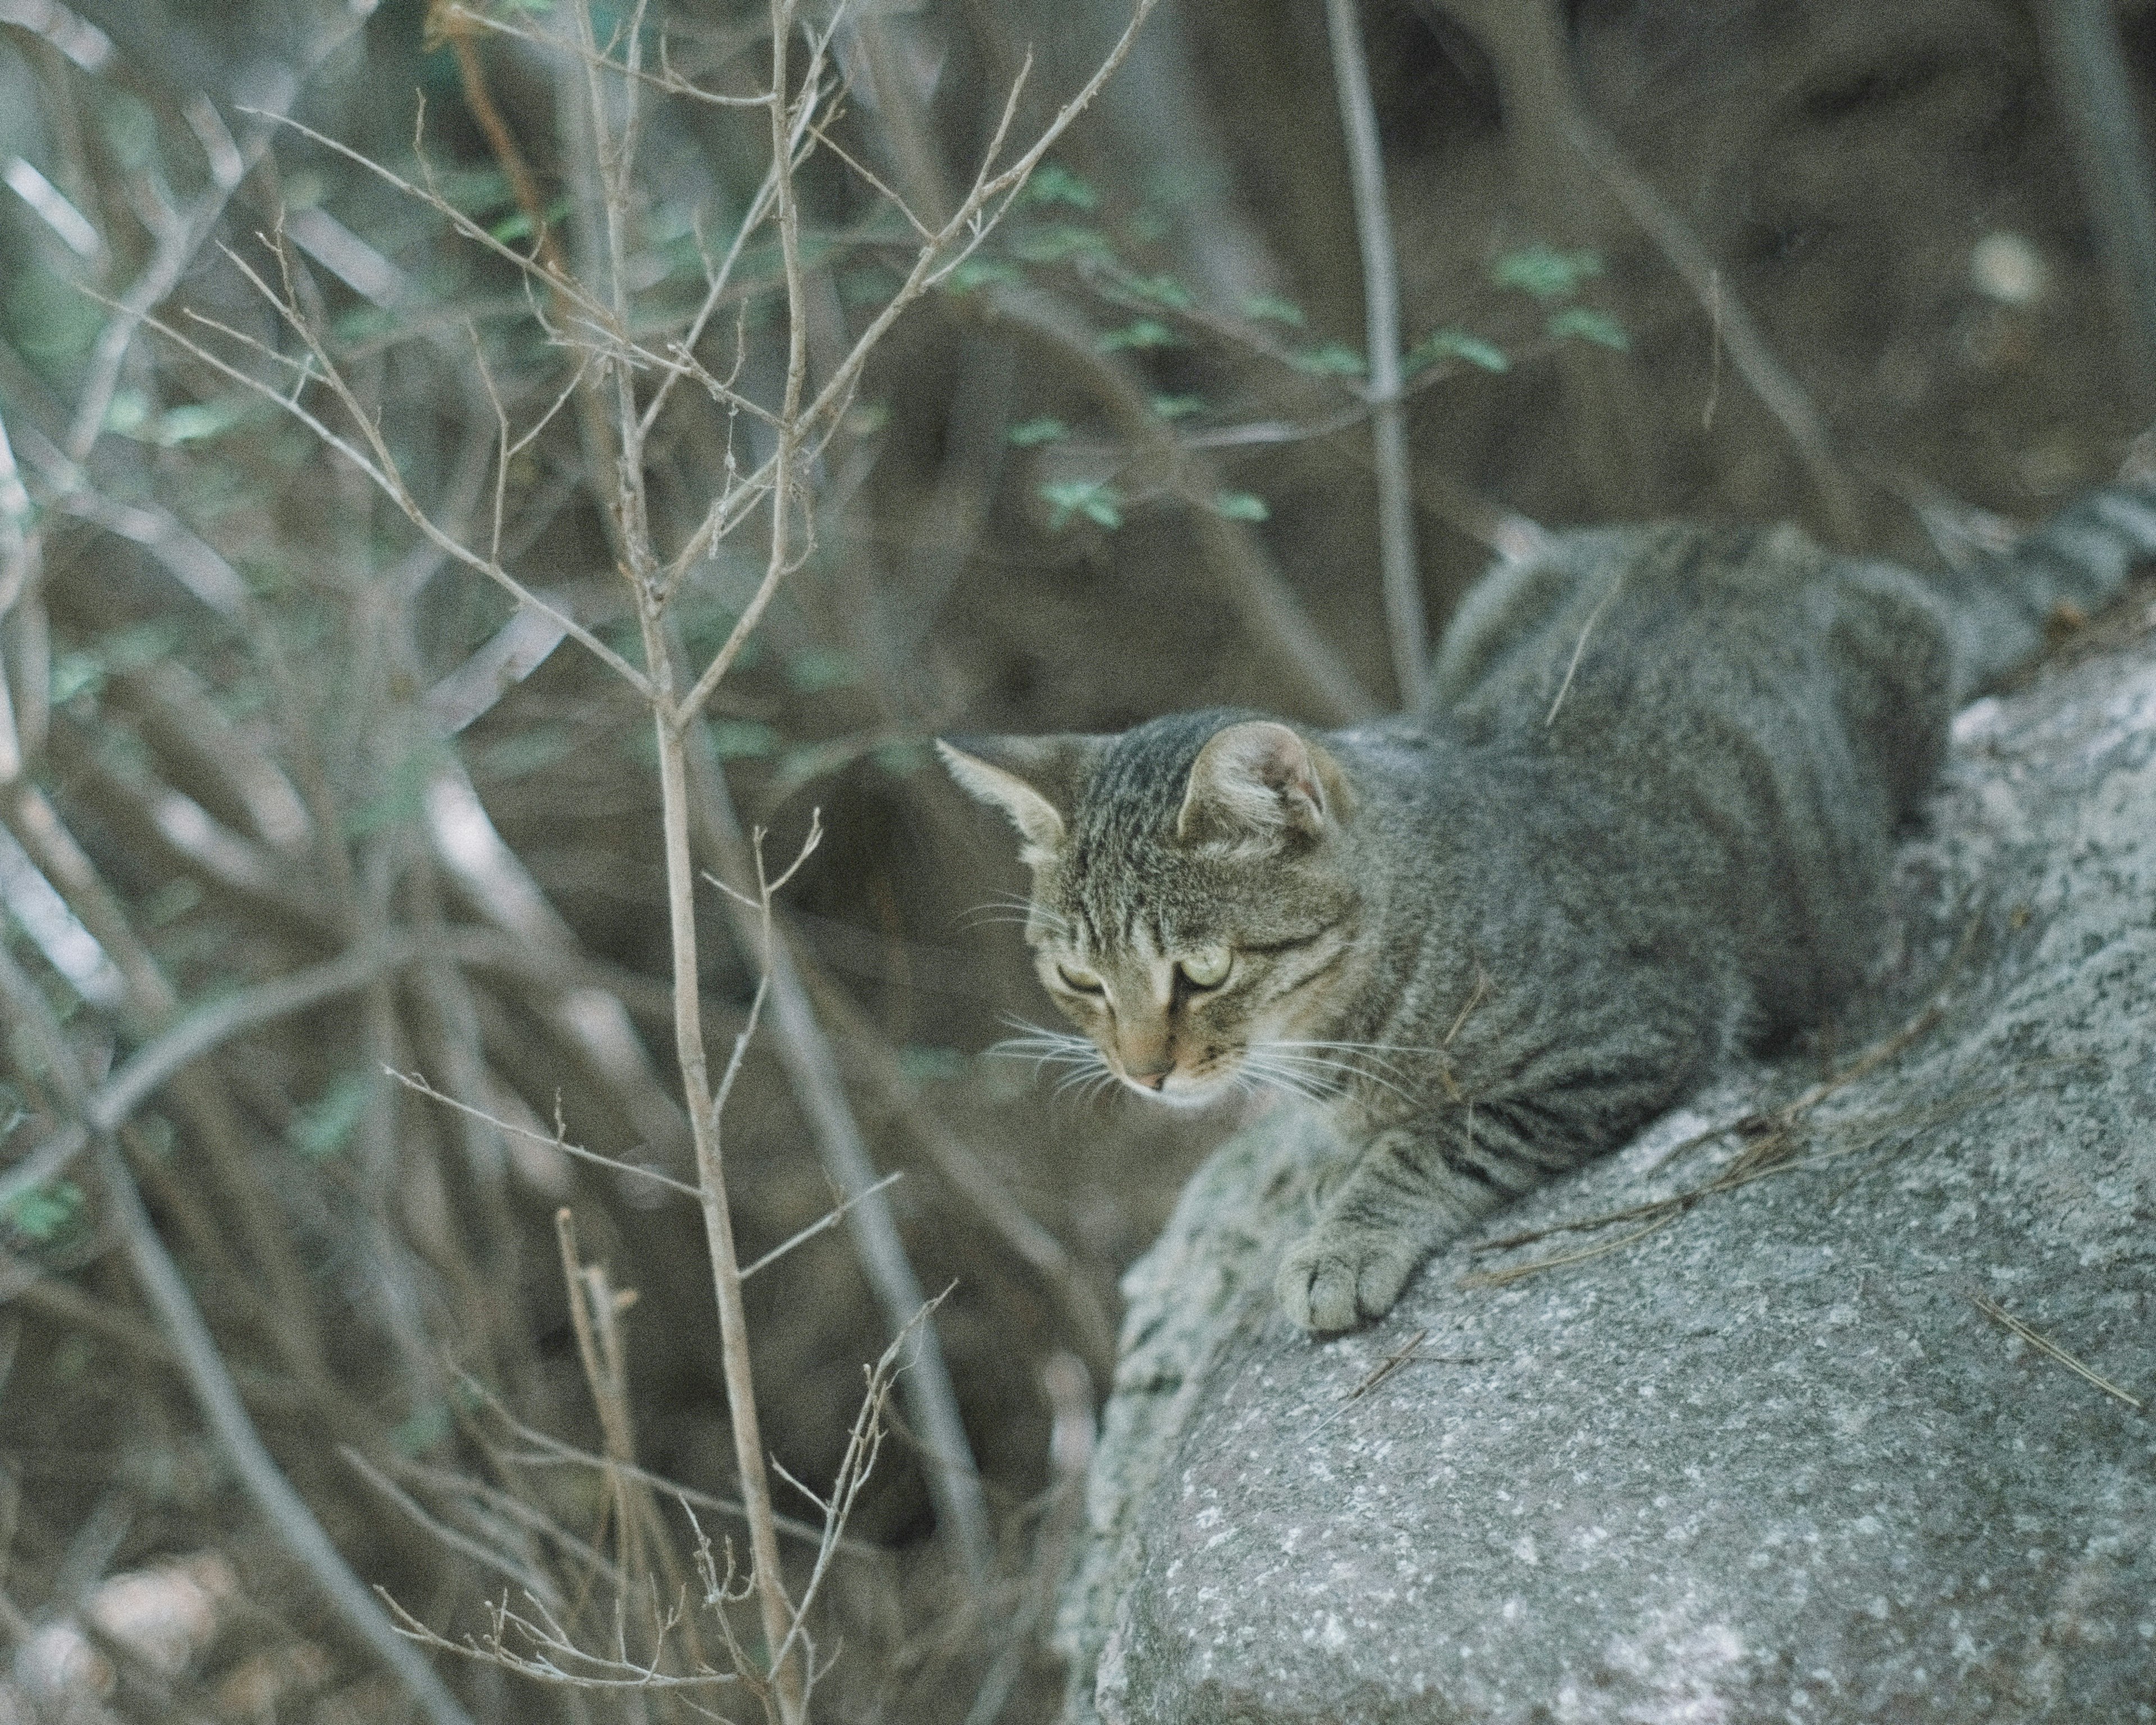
<point x="1119" y="463"/>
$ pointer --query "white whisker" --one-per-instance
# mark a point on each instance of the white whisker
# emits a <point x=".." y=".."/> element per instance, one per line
<point x="1046" y="1048"/>
<point x="1372" y="1049"/>
<point x="1010" y="909"/>
<point x="1336" y="1072"/>
<point x="1312" y="1085"/>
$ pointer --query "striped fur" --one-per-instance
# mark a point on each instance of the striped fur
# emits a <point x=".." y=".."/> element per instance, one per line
<point x="1646" y="814"/>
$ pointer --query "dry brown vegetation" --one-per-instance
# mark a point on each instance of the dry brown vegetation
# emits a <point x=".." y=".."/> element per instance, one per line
<point x="401" y="644"/>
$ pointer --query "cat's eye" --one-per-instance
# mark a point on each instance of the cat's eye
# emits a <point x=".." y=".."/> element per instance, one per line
<point x="1079" y="981"/>
<point x="1207" y="969"/>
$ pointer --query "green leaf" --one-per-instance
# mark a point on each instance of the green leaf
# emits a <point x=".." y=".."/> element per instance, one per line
<point x="978" y="272"/>
<point x="815" y="669"/>
<point x="870" y="284"/>
<point x="1454" y="344"/>
<point x="45" y="1213"/>
<point x="1177" y="407"/>
<point x="706" y="628"/>
<point x="1329" y="359"/>
<point x="75" y="674"/>
<point x="191" y="424"/>
<point x="1145" y="332"/>
<point x="1545" y="272"/>
<point x="1054" y="244"/>
<point x="1240" y="507"/>
<point x="322" y="1128"/>
<point x="1162" y="290"/>
<point x="129" y="412"/>
<point x="475" y="190"/>
<point x="1093" y="499"/>
<point x="121" y="649"/>
<point x="1052" y="183"/>
<point x="1272" y="309"/>
<point x="365" y="323"/>
<point x="1046" y="429"/>
<point x="1590" y="327"/>
<point x="743" y="739"/>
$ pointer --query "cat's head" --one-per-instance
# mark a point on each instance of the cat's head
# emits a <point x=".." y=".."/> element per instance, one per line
<point x="1192" y="908"/>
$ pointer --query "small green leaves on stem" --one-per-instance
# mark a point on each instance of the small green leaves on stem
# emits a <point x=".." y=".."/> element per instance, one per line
<point x="1329" y="359"/>
<point x="1144" y="332"/>
<point x="1544" y="272"/>
<point x="1270" y="308"/>
<point x="322" y="1128"/>
<point x="1030" y="433"/>
<point x="1576" y="320"/>
<point x="1055" y="244"/>
<point x="1160" y="290"/>
<point x="741" y="739"/>
<point x="1053" y="183"/>
<point x="1454" y="344"/>
<point x="45" y="1214"/>
<point x="1093" y="499"/>
<point x="1240" y="507"/>
<point x="978" y="271"/>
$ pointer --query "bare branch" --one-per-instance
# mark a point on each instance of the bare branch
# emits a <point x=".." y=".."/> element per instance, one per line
<point x="830" y="1218"/>
<point x="1381" y="333"/>
<point x="210" y="1381"/>
<point x="553" y="1140"/>
<point x="391" y="483"/>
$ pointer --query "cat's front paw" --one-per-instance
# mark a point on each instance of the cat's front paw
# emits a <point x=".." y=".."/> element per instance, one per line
<point x="1334" y="1278"/>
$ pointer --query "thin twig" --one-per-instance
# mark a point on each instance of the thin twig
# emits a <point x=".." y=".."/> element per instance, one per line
<point x="983" y="205"/>
<point x="110" y="1106"/>
<point x="812" y="1067"/>
<point x="1579" y="647"/>
<point x="830" y="1218"/>
<point x="210" y="1381"/>
<point x="1999" y="1314"/>
<point x="1404" y="619"/>
<point x="1319" y="682"/>
<point x="1778" y="391"/>
<point x="553" y="1140"/>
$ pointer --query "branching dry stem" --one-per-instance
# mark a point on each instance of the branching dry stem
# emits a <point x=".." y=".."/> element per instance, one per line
<point x="620" y="381"/>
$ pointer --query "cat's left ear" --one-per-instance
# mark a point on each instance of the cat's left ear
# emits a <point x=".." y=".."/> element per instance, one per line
<point x="1257" y="784"/>
<point x="1034" y="780"/>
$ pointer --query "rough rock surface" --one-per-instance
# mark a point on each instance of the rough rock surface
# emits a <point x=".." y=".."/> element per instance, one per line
<point x="1771" y="1458"/>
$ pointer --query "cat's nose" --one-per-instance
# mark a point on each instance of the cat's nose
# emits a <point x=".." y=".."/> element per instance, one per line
<point x="1152" y="1072"/>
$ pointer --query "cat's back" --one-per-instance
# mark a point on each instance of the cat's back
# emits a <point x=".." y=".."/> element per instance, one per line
<point x="1761" y="714"/>
<point x="1602" y="611"/>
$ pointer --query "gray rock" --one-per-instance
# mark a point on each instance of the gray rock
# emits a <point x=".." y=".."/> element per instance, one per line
<point x="1766" y="1457"/>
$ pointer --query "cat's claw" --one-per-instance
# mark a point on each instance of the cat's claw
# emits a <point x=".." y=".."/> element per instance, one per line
<point x="1336" y="1278"/>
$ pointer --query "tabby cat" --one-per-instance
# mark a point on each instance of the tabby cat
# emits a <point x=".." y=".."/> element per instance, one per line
<point x="1644" y="816"/>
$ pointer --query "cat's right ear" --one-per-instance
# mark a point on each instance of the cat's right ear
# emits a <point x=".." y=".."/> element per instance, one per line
<point x="1034" y="780"/>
